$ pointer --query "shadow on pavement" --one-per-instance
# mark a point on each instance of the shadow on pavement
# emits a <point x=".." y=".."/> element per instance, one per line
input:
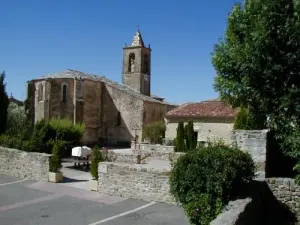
<point x="72" y="180"/>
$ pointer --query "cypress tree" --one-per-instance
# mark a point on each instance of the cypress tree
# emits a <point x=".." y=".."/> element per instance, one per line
<point x="180" y="145"/>
<point x="186" y="137"/>
<point x="3" y="103"/>
<point x="191" y="138"/>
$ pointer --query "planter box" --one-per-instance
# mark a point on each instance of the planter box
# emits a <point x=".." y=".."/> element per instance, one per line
<point x="93" y="185"/>
<point x="55" y="177"/>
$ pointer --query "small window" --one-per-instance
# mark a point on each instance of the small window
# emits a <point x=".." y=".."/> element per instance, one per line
<point x="131" y="63"/>
<point x="118" y="119"/>
<point x="64" y="93"/>
<point x="41" y="93"/>
<point x="146" y="64"/>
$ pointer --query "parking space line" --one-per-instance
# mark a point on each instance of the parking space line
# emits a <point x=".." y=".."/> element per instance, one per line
<point x="29" y="202"/>
<point x="14" y="182"/>
<point x="123" y="214"/>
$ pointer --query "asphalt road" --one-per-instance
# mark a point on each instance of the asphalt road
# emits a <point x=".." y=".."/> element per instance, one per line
<point x="25" y="202"/>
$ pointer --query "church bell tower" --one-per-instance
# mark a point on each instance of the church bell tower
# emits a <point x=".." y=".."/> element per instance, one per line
<point x="137" y="65"/>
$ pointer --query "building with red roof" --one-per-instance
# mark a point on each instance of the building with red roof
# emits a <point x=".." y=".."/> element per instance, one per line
<point x="213" y="119"/>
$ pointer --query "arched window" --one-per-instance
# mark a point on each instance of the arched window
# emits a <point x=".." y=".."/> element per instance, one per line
<point x="146" y="64"/>
<point x="40" y="92"/>
<point x="64" y="92"/>
<point x="131" y="63"/>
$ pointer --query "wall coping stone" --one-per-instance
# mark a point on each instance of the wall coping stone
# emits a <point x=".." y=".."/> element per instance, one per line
<point x="231" y="212"/>
<point x="137" y="167"/>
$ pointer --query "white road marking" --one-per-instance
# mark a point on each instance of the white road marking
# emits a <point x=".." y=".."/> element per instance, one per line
<point x="29" y="202"/>
<point x="14" y="182"/>
<point x="123" y="214"/>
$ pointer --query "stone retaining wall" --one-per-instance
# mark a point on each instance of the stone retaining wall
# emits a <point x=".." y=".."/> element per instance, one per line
<point x="147" y="147"/>
<point x="270" y="201"/>
<point x="131" y="158"/>
<point x="134" y="181"/>
<point x="287" y="192"/>
<point x="231" y="214"/>
<point x="22" y="164"/>
<point x="254" y="142"/>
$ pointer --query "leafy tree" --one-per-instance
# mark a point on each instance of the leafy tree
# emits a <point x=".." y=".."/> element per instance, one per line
<point x="17" y="119"/>
<point x="3" y="103"/>
<point x="258" y="65"/>
<point x="155" y="132"/>
<point x="179" y="141"/>
<point x="242" y="120"/>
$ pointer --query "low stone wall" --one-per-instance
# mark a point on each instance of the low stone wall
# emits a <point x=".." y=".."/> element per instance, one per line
<point x="135" y="181"/>
<point x="253" y="142"/>
<point x="132" y="156"/>
<point x="287" y="192"/>
<point x="22" y="164"/>
<point x="232" y="213"/>
<point x="270" y="201"/>
<point x="148" y="147"/>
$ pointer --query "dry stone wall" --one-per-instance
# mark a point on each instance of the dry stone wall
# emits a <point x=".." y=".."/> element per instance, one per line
<point x="22" y="164"/>
<point x="287" y="192"/>
<point x="254" y="142"/>
<point x="131" y="157"/>
<point x="134" y="181"/>
<point x="148" y="147"/>
<point x="270" y="196"/>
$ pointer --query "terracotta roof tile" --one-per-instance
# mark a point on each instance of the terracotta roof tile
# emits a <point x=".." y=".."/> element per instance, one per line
<point x="203" y="109"/>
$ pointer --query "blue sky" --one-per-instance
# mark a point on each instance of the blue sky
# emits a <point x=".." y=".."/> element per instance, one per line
<point x="39" y="37"/>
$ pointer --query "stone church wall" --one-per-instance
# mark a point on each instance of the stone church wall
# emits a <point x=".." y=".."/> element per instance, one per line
<point x="153" y="112"/>
<point x="91" y="108"/>
<point x="131" y="113"/>
<point x="58" y="108"/>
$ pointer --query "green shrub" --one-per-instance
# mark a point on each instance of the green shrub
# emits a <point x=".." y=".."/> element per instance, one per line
<point x="154" y="132"/>
<point x="96" y="158"/>
<point x="11" y="142"/>
<point x="204" y="180"/>
<point x="55" y="160"/>
<point x="68" y="131"/>
<point x="42" y="133"/>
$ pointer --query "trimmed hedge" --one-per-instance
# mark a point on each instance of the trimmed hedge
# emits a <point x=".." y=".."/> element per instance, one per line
<point x="42" y="135"/>
<point x="205" y="179"/>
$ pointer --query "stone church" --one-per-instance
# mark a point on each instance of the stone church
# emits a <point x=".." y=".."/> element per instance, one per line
<point x="113" y="113"/>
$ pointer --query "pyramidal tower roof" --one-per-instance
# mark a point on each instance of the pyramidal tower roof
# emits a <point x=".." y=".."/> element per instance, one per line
<point x="137" y="39"/>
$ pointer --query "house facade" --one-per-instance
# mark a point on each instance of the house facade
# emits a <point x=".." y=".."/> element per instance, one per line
<point x="213" y="120"/>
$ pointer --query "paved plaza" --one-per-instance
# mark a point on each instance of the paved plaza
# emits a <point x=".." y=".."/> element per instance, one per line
<point x="27" y="202"/>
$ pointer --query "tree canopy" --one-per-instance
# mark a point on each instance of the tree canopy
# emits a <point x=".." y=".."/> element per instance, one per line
<point x="258" y="63"/>
<point x="3" y="103"/>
